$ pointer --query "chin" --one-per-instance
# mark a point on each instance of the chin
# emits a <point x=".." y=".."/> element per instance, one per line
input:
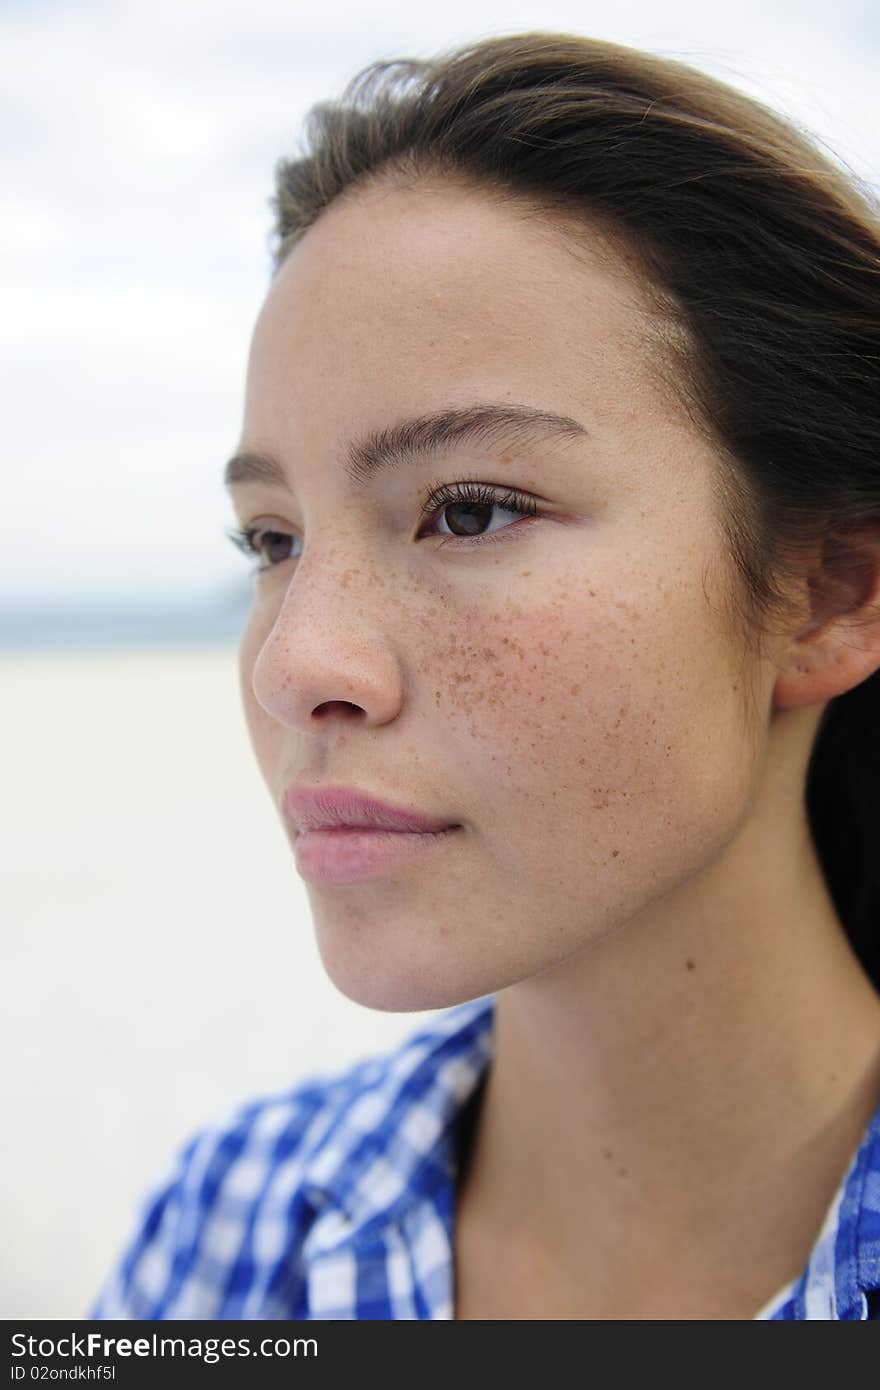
<point x="393" y="983"/>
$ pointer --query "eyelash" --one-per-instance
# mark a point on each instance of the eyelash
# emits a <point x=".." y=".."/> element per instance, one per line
<point x="483" y="494"/>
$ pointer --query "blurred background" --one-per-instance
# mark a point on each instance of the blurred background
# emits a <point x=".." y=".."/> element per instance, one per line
<point x="160" y="965"/>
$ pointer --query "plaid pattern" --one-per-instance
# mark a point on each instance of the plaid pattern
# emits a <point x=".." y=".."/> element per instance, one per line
<point x="335" y="1200"/>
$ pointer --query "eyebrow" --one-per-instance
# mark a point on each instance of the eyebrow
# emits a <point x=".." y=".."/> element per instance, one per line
<point x="492" y="423"/>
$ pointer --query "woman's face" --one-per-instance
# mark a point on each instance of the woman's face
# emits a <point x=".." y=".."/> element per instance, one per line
<point x="569" y="689"/>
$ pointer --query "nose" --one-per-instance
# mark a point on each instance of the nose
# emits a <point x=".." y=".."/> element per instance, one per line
<point x="327" y="656"/>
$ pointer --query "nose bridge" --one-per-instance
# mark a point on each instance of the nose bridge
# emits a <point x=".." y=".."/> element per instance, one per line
<point x="339" y="580"/>
<point x="329" y="641"/>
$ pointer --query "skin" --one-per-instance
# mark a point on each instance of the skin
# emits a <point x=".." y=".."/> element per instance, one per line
<point x="686" y="1050"/>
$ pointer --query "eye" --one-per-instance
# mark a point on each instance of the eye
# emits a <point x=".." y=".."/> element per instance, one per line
<point x="473" y="504"/>
<point x="470" y="505"/>
<point x="270" y="547"/>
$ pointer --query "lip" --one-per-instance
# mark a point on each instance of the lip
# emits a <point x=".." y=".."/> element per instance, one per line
<point x="352" y="854"/>
<point x="347" y="836"/>
<point x="323" y="808"/>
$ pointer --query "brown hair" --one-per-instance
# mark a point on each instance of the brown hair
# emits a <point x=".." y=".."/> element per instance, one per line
<point x="761" y="258"/>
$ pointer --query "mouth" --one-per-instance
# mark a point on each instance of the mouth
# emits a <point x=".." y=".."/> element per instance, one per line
<point x="355" y="853"/>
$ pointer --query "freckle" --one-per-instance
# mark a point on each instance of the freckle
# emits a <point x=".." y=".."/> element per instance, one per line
<point x="582" y="762"/>
<point x="689" y="964"/>
<point x="622" y="1172"/>
<point x="575" y="690"/>
<point x="607" y="1153"/>
<point x="614" y="853"/>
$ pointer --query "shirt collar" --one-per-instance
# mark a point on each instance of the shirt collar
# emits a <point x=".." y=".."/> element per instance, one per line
<point x="394" y="1140"/>
<point x="856" y="1262"/>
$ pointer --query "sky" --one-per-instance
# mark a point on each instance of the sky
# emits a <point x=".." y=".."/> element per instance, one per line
<point x="137" y="165"/>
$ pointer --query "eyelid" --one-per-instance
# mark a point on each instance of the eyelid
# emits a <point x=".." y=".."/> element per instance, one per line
<point x="503" y="495"/>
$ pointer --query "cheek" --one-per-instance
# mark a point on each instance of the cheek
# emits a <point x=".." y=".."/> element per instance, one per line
<point x="586" y="713"/>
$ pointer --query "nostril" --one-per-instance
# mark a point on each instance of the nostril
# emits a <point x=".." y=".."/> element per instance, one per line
<point x="337" y="707"/>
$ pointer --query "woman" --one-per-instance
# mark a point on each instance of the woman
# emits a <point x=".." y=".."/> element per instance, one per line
<point x="560" y="465"/>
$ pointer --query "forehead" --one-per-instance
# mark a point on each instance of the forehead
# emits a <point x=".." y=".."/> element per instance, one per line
<point x="397" y="292"/>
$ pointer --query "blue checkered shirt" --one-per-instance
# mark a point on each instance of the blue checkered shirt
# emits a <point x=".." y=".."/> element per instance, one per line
<point x="335" y="1199"/>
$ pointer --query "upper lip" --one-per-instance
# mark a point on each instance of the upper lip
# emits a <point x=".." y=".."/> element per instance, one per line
<point x="313" y="808"/>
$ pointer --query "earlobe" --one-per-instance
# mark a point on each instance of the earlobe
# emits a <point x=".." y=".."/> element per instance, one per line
<point x="839" y="645"/>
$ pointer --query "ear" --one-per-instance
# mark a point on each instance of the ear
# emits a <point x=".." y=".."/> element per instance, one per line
<point x="839" y="644"/>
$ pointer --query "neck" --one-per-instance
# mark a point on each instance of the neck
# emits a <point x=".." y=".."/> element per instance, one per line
<point x="691" y="1086"/>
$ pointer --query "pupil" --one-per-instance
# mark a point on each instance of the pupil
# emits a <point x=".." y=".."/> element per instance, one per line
<point x="273" y="540"/>
<point x="471" y="526"/>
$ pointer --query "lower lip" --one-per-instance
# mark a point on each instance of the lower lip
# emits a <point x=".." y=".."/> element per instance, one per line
<point x="349" y="854"/>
